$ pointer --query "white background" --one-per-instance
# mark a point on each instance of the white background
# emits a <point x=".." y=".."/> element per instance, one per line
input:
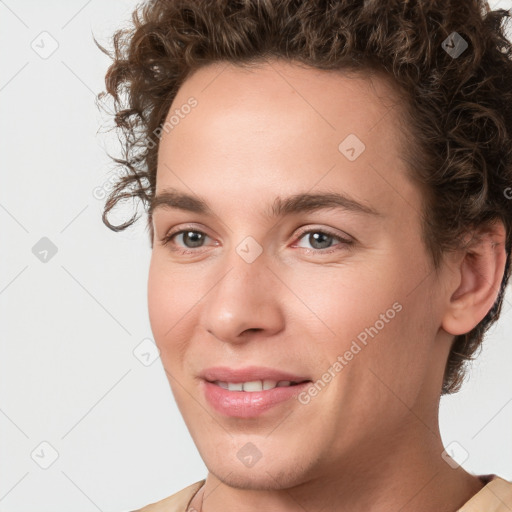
<point x="70" y="325"/>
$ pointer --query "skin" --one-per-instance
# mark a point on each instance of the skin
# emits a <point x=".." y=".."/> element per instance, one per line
<point x="369" y="441"/>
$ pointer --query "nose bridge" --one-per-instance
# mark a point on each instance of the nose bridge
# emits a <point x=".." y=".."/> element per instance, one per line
<point x="243" y="297"/>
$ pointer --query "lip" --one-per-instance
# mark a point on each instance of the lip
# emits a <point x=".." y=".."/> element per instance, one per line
<point x="248" y="404"/>
<point x="248" y="373"/>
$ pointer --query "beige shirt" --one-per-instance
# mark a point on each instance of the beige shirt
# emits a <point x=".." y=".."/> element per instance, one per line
<point x="495" y="496"/>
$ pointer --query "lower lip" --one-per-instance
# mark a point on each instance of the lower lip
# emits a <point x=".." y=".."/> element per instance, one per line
<point x="248" y="404"/>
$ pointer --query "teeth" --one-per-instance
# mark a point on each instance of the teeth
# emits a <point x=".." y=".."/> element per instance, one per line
<point x="269" y="384"/>
<point x="254" y="385"/>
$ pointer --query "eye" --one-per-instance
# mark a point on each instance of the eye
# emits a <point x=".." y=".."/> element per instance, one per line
<point x="187" y="238"/>
<point x="320" y="239"/>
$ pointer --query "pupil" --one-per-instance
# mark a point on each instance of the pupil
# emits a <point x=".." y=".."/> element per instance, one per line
<point x="320" y="238"/>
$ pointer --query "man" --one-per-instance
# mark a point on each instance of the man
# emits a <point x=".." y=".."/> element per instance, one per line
<point x="330" y="229"/>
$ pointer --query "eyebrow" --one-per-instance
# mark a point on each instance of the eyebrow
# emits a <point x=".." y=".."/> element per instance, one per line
<point x="297" y="203"/>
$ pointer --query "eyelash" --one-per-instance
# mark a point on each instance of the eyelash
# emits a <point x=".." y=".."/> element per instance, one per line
<point x="166" y="240"/>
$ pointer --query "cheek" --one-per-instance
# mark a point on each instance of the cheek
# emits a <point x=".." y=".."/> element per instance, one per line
<point x="170" y="297"/>
<point x="368" y="315"/>
<point x="396" y="354"/>
<point x="159" y="293"/>
<point x="342" y="301"/>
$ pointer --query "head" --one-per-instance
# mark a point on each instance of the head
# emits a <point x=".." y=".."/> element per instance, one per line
<point x="326" y="193"/>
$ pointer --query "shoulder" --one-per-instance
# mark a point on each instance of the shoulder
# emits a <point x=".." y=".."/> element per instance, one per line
<point x="177" y="502"/>
<point x="495" y="496"/>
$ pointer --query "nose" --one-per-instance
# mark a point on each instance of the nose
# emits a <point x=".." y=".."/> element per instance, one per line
<point x="245" y="300"/>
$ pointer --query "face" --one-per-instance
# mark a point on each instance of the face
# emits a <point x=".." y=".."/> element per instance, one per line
<point x="299" y="250"/>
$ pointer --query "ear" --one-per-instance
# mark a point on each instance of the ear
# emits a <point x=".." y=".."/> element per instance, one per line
<point x="479" y="275"/>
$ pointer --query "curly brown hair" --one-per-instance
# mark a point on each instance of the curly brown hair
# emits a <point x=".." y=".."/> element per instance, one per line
<point x="458" y="108"/>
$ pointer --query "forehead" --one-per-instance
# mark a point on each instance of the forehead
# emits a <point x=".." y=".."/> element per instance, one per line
<point x="282" y="127"/>
<point x="336" y="101"/>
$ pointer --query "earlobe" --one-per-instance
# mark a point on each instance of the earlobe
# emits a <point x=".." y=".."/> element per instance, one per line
<point x="481" y="272"/>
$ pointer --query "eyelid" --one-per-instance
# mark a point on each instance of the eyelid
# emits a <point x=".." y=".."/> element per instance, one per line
<point x="185" y="227"/>
<point x="328" y="231"/>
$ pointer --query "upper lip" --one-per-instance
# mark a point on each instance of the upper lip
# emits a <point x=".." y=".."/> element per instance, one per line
<point x="248" y="373"/>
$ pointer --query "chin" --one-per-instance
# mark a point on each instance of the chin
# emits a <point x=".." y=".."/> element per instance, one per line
<point x="253" y="480"/>
<point x="263" y="476"/>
